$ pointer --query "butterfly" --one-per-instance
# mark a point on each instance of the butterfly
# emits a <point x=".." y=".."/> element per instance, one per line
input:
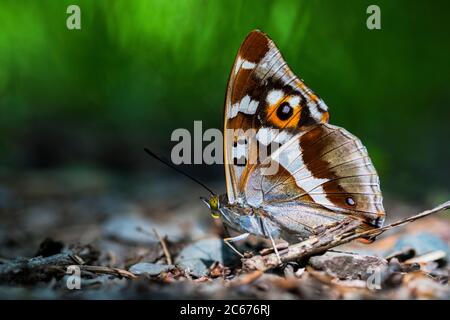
<point x="323" y="173"/>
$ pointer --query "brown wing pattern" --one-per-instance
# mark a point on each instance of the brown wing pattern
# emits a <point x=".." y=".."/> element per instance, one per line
<point x="261" y="87"/>
<point x="324" y="167"/>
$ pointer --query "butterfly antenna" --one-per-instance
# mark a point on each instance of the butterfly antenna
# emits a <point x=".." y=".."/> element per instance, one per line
<point x="167" y="163"/>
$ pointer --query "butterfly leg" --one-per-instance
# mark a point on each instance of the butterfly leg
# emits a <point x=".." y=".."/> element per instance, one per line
<point x="275" y="248"/>
<point x="266" y="231"/>
<point x="234" y="239"/>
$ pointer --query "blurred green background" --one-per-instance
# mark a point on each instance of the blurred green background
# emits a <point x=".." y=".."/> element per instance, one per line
<point x="139" y="69"/>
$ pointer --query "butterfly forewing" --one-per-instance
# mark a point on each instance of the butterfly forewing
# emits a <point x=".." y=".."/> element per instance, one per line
<point x="264" y="95"/>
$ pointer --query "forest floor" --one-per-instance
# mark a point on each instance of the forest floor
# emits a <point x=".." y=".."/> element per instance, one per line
<point x="147" y="237"/>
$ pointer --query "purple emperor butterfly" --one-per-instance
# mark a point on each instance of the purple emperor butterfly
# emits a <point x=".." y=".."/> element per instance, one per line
<point x="323" y="173"/>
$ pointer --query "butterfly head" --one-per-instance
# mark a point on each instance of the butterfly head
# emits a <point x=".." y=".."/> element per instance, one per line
<point x="213" y="205"/>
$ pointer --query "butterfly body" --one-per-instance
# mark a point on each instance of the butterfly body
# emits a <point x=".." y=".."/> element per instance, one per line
<point x="289" y="174"/>
<point x="248" y="219"/>
<point x="260" y="222"/>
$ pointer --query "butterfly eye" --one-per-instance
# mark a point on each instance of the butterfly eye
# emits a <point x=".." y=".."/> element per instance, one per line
<point x="284" y="111"/>
<point x="350" y="201"/>
<point x="213" y="203"/>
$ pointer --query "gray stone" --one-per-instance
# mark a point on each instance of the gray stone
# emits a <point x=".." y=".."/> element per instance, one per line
<point x="348" y="266"/>
<point x="422" y="243"/>
<point x="199" y="256"/>
<point x="126" y="228"/>
<point x="134" y="229"/>
<point x="152" y="269"/>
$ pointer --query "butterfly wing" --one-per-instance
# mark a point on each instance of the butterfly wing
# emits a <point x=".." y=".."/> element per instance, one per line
<point x="323" y="174"/>
<point x="261" y="81"/>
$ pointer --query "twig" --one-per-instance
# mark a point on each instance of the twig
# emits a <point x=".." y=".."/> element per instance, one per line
<point x="247" y="279"/>
<point x="161" y="241"/>
<point x="107" y="270"/>
<point x="335" y="236"/>
<point x="377" y="232"/>
<point x="164" y="247"/>
<point x="28" y="270"/>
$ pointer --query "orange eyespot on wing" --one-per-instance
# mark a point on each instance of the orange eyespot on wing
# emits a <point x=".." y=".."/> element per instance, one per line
<point x="284" y="113"/>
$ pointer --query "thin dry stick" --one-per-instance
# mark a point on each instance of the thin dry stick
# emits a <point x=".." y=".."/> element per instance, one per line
<point x="376" y="232"/>
<point x="335" y="236"/>
<point x="21" y="270"/>
<point x="107" y="270"/>
<point x="247" y="279"/>
<point x="161" y="241"/>
<point x="164" y="247"/>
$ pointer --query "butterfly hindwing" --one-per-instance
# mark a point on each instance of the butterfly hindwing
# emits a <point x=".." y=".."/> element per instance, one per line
<point x="323" y="168"/>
